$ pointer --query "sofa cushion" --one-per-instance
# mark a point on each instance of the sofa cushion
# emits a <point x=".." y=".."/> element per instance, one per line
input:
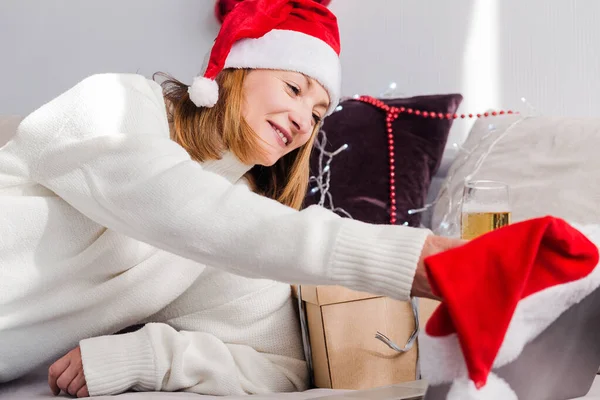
<point x="551" y="165"/>
<point x="360" y="174"/>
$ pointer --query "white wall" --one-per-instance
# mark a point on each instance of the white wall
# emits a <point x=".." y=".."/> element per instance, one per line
<point x="492" y="51"/>
<point x="48" y="45"/>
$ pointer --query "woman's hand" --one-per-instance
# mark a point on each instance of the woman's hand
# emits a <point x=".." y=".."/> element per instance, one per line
<point x="66" y="374"/>
<point x="433" y="244"/>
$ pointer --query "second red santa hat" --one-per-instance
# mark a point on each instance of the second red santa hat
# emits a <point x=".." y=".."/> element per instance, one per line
<point x="500" y="292"/>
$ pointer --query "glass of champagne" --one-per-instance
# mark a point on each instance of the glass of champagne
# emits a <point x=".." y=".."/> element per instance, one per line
<point x="485" y="207"/>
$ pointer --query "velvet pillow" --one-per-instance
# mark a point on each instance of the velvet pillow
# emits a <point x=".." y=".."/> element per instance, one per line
<point x="360" y="175"/>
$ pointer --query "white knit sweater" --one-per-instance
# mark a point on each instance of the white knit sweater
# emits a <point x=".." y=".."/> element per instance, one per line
<point x="225" y="335"/>
<point x="94" y="198"/>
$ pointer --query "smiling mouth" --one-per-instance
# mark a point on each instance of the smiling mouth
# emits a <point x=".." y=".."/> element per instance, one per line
<point x="282" y="135"/>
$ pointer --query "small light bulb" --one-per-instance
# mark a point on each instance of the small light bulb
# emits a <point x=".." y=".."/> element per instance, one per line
<point x="393" y="85"/>
<point x="338" y="108"/>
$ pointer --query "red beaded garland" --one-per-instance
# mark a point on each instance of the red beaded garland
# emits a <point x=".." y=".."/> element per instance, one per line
<point x="392" y="113"/>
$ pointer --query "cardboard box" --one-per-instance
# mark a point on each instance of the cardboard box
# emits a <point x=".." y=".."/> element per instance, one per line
<point x="342" y="325"/>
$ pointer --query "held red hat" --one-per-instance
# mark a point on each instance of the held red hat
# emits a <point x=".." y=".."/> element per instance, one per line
<point x="291" y="35"/>
<point x="501" y="291"/>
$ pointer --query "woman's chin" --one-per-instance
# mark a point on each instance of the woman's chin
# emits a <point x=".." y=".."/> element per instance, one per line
<point x="267" y="163"/>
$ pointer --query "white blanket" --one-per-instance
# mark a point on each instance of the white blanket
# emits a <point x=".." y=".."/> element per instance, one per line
<point x="35" y="386"/>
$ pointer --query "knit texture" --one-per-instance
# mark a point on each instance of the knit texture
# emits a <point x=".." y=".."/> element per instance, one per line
<point x="225" y="335"/>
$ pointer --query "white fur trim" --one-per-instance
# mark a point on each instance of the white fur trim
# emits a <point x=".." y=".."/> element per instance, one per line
<point x="442" y="360"/>
<point x="495" y="388"/>
<point x="204" y="92"/>
<point x="291" y="51"/>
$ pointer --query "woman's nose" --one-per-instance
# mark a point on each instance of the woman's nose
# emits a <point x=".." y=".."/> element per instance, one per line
<point x="300" y="122"/>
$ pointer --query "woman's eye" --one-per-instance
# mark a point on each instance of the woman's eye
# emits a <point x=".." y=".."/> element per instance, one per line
<point x="316" y="118"/>
<point x="294" y="89"/>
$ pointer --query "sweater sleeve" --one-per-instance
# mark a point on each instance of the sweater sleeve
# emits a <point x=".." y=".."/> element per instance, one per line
<point x="159" y="358"/>
<point x="104" y="148"/>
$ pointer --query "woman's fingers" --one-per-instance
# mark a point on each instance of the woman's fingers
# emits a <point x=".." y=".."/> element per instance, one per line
<point x="83" y="392"/>
<point x="55" y="372"/>
<point x="66" y="378"/>
<point x="76" y="384"/>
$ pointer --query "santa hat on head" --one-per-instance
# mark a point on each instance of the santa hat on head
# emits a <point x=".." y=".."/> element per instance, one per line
<point x="223" y="7"/>
<point x="501" y="291"/>
<point x="292" y="35"/>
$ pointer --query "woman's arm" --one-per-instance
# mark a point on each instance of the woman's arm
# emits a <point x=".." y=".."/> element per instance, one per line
<point x="104" y="148"/>
<point x="159" y="358"/>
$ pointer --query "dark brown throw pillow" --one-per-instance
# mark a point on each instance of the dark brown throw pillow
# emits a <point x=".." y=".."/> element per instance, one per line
<point x="360" y="175"/>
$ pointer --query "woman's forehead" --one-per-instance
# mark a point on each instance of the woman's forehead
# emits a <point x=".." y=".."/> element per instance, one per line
<point x="310" y="82"/>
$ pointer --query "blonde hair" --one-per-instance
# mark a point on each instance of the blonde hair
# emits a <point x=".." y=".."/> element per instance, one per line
<point x="205" y="133"/>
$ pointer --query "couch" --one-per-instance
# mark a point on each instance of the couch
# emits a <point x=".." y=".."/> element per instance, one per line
<point x="34" y="386"/>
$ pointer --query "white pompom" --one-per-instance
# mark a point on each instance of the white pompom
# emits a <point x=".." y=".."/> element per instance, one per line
<point x="495" y="388"/>
<point x="204" y="92"/>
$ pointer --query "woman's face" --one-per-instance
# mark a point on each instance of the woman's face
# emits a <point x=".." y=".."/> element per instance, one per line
<point x="282" y="107"/>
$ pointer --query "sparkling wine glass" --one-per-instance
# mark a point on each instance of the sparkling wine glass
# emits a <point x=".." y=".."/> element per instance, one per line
<point x="485" y="207"/>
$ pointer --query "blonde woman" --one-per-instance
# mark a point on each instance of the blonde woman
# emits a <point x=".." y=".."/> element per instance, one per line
<point x="123" y="202"/>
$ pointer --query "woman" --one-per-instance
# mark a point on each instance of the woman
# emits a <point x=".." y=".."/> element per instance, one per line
<point x="115" y="198"/>
<point x="225" y="334"/>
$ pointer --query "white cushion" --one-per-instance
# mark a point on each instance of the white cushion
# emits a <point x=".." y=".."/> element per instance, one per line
<point x="552" y="165"/>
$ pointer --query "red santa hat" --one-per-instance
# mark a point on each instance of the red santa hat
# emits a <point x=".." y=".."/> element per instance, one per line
<point x="500" y="292"/>
<point x="291" y="35"/>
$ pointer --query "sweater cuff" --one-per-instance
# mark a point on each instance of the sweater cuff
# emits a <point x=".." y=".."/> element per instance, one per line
<point x="114" y="364"/>
<point x="378" y="258"/>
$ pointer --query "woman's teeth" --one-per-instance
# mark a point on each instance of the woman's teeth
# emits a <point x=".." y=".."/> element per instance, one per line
<point x="281" y="135"/>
